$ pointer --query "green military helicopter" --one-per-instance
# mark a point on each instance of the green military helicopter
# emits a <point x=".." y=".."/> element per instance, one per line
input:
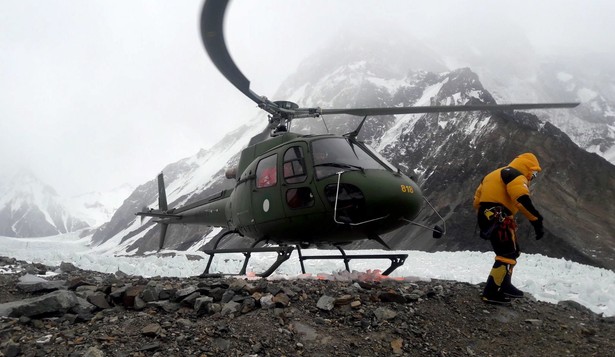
<point x="297" y="191"/>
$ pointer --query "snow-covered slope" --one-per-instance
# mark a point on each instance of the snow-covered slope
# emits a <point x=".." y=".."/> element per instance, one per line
<point x="97" y="208"/>
<point x="29" y="208"/>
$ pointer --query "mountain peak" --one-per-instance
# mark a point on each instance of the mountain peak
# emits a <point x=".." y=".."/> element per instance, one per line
<point x="25" y="184"/>
<point x="31" y="208"/>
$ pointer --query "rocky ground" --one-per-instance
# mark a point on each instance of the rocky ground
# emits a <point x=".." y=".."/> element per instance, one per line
<point x="84" y="313"/>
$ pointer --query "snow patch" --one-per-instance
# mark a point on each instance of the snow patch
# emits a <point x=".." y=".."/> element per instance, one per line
<point x="402" y="122"/>
<point x="429" y="93"/>
<point x="391" y="85"/>
<point x="586" y="94"/>
<point x="357" y="65"/>
<point x="608" y="154"/>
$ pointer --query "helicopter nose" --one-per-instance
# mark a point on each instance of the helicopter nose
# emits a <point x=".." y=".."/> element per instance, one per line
<point x="377" y="194"/>
<point x="400" y="197"/>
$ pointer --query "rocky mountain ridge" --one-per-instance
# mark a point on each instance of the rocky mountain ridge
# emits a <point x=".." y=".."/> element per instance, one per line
<point x="83" y="313"/>
<point x="461" y="149"/>
<point x="29" y="208"/>
<point x="446" y="153"/>
<point x="515" y="70"/>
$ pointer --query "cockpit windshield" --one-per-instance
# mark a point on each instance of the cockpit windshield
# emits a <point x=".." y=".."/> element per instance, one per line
<point x="332" y="155"/>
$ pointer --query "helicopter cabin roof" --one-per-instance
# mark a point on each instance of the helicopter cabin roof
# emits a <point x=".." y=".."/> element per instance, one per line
<point x="250" y="153"/>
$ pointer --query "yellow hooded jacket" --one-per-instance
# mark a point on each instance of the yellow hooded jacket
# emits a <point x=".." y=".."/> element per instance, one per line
<point x="494" y="189"/>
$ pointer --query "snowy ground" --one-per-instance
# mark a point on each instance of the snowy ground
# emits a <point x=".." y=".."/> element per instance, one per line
<point x="547" y="279"/>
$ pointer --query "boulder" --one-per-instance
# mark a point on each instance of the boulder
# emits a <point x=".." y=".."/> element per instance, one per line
<point x="57" y="302"/>
<point x="31" y="283"/>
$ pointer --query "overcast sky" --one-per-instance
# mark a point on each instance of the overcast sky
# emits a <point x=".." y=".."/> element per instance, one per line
<point x="97" y="93"/>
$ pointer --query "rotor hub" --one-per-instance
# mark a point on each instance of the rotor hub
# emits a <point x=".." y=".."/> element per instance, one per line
<point x="285" y="104"/>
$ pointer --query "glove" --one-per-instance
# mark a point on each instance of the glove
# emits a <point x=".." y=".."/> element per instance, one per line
<point x="537" y="224"/>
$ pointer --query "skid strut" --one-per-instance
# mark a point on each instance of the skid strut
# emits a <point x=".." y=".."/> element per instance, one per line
<point x="284" y="253"/>
<point x="397" y="260"/>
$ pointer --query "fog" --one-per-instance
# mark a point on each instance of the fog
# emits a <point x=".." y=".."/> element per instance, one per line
<point x="94" y="94"/>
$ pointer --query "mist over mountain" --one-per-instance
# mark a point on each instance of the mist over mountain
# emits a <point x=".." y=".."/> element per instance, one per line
<point x="447" y="153"/>
<point x="97" y="208"/>
<point x="30" y="208"/>
<point x="514" y="70"/>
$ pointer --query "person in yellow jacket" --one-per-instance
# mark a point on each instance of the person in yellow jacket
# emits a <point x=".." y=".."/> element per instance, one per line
<point x="500" y="195"/>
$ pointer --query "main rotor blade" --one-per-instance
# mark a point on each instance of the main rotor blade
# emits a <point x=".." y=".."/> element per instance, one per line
<point x="445" y="108"/>
<point x="212" y="34"/>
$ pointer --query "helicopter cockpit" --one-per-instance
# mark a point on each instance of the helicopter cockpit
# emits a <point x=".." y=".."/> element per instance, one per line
<point x="335" y="153"/>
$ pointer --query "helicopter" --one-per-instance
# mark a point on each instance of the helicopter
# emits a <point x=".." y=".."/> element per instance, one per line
<point x="294" y="191"/>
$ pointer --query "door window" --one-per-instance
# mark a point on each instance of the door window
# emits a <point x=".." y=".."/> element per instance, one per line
<point x="294" y="165"/>
<point x="266" y="173"/>
<point x="299" y="197"/>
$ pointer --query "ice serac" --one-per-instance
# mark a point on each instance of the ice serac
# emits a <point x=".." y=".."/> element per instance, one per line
<point x="448" y="154"/>
<point x="30" y="208"/>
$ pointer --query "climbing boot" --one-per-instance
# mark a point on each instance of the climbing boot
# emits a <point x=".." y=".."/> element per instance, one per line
<point x="499" y="299"/>
<point x="492" y="293"/>
<point x="507" y="287"/>
<point x="511" y="291"/>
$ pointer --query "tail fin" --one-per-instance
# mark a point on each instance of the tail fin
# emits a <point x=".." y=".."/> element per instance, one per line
<point x="163" y="209"/>
<point x="162" y="213"/>
<point x="163" y="206"/>
<point x="162" y="194"/>
<point x="163" y="233"/>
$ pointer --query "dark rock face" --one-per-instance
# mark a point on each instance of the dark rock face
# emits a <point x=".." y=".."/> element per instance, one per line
<point x="31" y="220"/>
<point x="572" y="191"/>
<point x="132" y="315"/>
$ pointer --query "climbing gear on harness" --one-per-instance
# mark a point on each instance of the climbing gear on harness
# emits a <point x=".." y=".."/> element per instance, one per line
<point x="500" y="222"/>
<point x="495" y="216"/>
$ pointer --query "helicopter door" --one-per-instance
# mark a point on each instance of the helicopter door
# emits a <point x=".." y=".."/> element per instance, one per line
<point x="296" y="192"/>
<point x="266" y="201"/>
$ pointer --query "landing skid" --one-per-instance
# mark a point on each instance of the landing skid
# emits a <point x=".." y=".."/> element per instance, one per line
<point x="397" y="260"/>
<point x="285" y="251"/>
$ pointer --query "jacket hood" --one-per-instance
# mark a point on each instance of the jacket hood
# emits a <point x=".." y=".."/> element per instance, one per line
<point x="526" y="163"/>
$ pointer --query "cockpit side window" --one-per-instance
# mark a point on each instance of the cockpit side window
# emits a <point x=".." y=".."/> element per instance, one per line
<point x="294" y="165"/>
<point x="266" y="173"/>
